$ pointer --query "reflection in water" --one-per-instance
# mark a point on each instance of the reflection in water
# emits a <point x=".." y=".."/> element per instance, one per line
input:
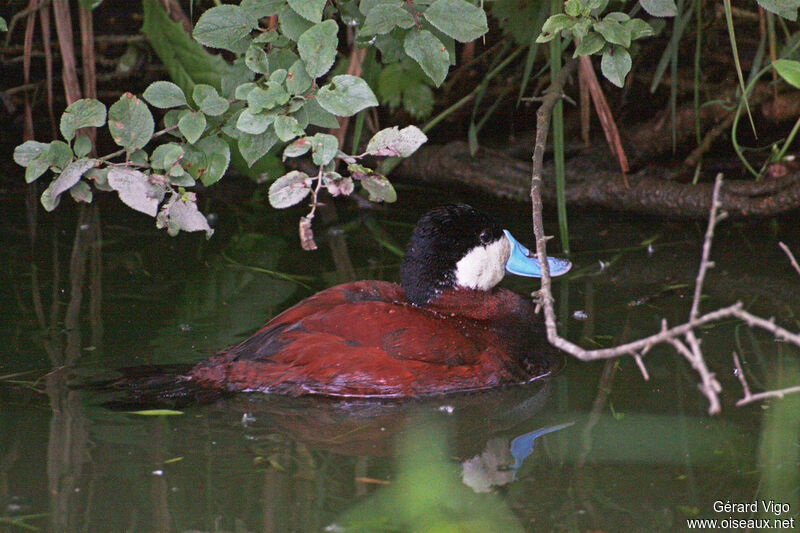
<point x="639" y="456"/>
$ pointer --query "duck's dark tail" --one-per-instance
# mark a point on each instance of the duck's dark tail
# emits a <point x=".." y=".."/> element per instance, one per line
<point x="151" y="387"/>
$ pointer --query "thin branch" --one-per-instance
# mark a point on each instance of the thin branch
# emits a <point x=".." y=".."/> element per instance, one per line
<point x="690" y="348"/>
<point x="789" y="253"/>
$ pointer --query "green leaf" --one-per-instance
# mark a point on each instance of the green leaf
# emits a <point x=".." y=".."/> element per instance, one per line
<point x="394" y="142"/>
<point x="164" y="94"/>
<point x="317" y="47"/>
<point x="217" y="159"/>
<point x="785" y="8"/>
<point x="262" y="8"/>
<point x="345" y="96"/>
<point x="130" y="122"/>
<point x="226" y="26"/>
<point x="192" y="124"/>
<point x="318" y="116"/>
<point x="208" y="100"/>
<point x="424" y="48"/>
<point x="166" y="155"/>
<point x="274" y="95"/>
<point x="82" y="113"/>
<point x="418" y="100"/>
<point x="289" y="189"/>
<point x="616" y="64"/>
<point x="553" y="25"/>
<point x="459" y="19"/>
<point x="297" y="148"/>
<point x="617" y="16"/>
<point x="81" y="192"/>
<point x="379" y="188"/>
<point x="291" y="24"/>
<point x="181" y="213"/>
<point x="787" y="69"/>
<point x="308" y="9"/>
<point x="3" y="24"/>
<point x="82" y="145"/>
<point x="287" y="128"/>
<point x="298" y="81"/>
<point x="60" y="155"/>
<point x="639" y="28"/>
<point x="573" y="8"/>
<point x="590" y="44"/>
<point x="64" y="181"/>
<point x="256" y="59"/>
<point x="254" y="123"/>
<point x="324" y="148"/>
<point x="156" y="412"/>
<point x="27" y="152"/>
<point x="186" y="61"/>
<point x="366" y="6"/>
<point x="613" y="32"/>
<point x="254" y="147"/>
<point x="136" y="190"/>
<point x="383" y="18"/>
<point x="660" y="8"/>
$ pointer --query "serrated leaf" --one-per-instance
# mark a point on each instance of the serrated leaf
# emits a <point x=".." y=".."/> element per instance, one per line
<point x="317" y="47"/>
<point x="297" y="80"/>
<point x="130" y="122"/>
<point x="254" y="147"/>
<point x="208" y="100"/>
<point x="394" y="142"/>
<point x="785" y="8"/>
<point x="289" y="189"/>
<point x="346" y="95"/>
<point x="789" y="70"/>
<point x="192" y="124"/>
<point x="592" y="43"/>
<point x="136" y="190"/>
<point x="256" y="59"/>
<point x="613" y="32"/>
<point x="639" y="29"/>
<point x="86" y="112"/>
<point x="181" y="213"/>
<point x="660" y="8"/>
<point x="82" y="145"/>
<point x="383" y="18"/>
<point x="166" y="155"/>
<point x="64" y="181"/>
<point x="291" y="24"/>
<point x="287" y="128"/>
<point x="254" y="124"/>
<point x="217" y="159"/>
<point x="308" y="9"/>
<point x="324" y="148"/>
<point x="615" y="65"/>
<point x="573" y="8"/>
<point x="553" y="25"/>
<point x="379" y="188"/>
<point x="427" y="50"/>
<point x="459" y="19"/>
<point x="227" y="27"/>
<point x="81" y="192"/>
<point x="318" y="116"/>
<point x="297" y="148"/>
<point x="27" y="152"/>
<point x="262" y="8"/>
<point x="164" y="95"/>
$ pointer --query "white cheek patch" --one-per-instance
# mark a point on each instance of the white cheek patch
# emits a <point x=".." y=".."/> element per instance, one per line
<point x="484" y="266"/>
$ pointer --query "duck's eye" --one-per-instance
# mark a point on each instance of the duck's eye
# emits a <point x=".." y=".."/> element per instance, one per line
<point x="486" y="237"/>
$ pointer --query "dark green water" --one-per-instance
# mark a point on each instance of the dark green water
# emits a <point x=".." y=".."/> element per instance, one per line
<point x="610" y="451"/>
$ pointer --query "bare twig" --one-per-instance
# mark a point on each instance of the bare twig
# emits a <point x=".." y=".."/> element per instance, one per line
<point x="789" y="253"/>
<point x="689" y="347"/>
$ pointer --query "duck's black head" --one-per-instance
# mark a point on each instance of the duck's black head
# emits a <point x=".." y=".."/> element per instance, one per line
<point x="458" y="246"/>
<point x="453" y="245"/>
